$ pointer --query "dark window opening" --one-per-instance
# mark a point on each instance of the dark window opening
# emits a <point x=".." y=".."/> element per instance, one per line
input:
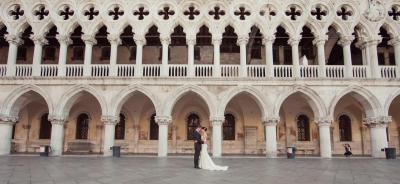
<point x="153" y="128"/>
<point x="303" y="128"/>
<point x="82" y="127"/>
<point x="45" y="127"/>
<point x="229" y="127"/>
<point x="132" y="53"/>
<point x="193" y="121"/>
<point x="345" y="128"/>
<point x="120" y="128"/>
<point x="21" y="53"/>
<point x="49" y="53"/>
<point x="229" y="41"/>
<point x="197" y="55"/>
<point x="105" y="53"/>
<point x="78" y="53"/>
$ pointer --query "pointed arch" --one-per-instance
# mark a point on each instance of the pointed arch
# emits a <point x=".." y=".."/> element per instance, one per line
<point x="389" y="102"/>
<point x="255" y="94"/>
<point x="72" y="94"/>
<point x="15" y="101"/>
<point x="181" y="92"/>
<point x="368" y="100"/>
<point x="313" y="99"/>
<point x="120" y="99"/>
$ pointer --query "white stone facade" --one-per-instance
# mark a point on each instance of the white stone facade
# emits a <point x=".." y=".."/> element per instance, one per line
<point x="265" y="98"/>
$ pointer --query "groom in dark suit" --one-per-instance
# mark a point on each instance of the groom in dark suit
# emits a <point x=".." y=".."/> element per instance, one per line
<point x="197" y="146"/>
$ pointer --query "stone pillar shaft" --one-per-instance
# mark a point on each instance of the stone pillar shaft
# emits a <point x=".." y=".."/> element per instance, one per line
<point x="269" y="55"/>
<point x="217" y="136"/>
<point x="324" y="138"/>
<point x="242" y="42"/>
<point x="163" y="123"/>
<point x="57" y="137"/>
<point x="139" y="56"/>
<point x="164" y="62"/>
<point x="109" y="134"/>
<point x="271" y="145"/>
<point x="89" y="42"/>
<point x="14" y="41"/>
<point x="217" y="58"/>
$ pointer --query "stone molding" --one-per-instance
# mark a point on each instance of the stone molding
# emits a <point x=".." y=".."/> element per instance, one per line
<point x="377" y="122"/>
<point x="14" y="39"/>
<point x="323" y="121"/>
<point x="89" y="39"/>
<point x="64" y="39"/>
<point x="39" y="40"/>
<point x="110" y="120"/>
<point x="346" y="40"/>
<point x="11" y="120"/>
<point x="163" y="120"/>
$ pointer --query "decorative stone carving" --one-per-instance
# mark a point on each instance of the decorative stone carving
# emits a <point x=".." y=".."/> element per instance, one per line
<point x="346" y="40"/>
<point x="377" y="122"/>
<point x="110" y="120"/>
<point x="242" y="40"/>
<point x="39" y="40"/>
<point x="217" y="121"/>
<point x="163" y="120"/>
<point x="89" y="39"/>
<point x="114" y="39"/>
<point x="273" y="121"/>
<point x="14" y="39"/>
<point x="64" y="39"/>
<point x="8" y="119"/>
<point x="375" y="11"/>
<point x="323" y="121"/>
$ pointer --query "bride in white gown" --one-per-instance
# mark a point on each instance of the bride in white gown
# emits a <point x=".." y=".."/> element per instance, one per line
<point x="205" y="160"/>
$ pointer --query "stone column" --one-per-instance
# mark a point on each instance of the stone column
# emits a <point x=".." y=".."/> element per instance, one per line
<point x="57" y="136"/>
<point x="14" y="41"/>
<point x="324" y="125"/>
<point x="191" y="41"/>
<point x="89" y="40"/>
<point x="6" y="128"/>
<point x="39" y="41"/>
<point x="395" y="42"/>
<point x="115" y="41"/>
<point x="62" y="58"/>
<point x="271" y="145"/>
<point x="217" y="135"/>
<point x="320" y="43"/>
<point x="269" y="55"/>
<point x="372" y="45"/>
<point x="109" y="133"/>
<point x="217" y="58"/>
<point x="294" y="43"/>
<point x="165" y="41"/>
<point x="140" y="42"/>
<point x="345" y="42"/>
<point x="377" y="127"/>
<point x="242" y="42"/>
<point x="163" y="122"/>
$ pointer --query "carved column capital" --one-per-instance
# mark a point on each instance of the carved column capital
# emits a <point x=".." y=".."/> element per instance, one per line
<point x="163" y="120"/>
<point x="64" y="39"/>
<point x="394" y="41"/>
<point x="320" y="40"/>
<point x="89" y="39"/>
<point x="110" y="120"/>
<point x="273" y="121"/>
<point x="165" y="40"/>
<point x="216" y="41"/>
<point x="114" y="39"/>
<point x="269" y="39"/>
<point x="10" y="120"/>
<point x="39" y="40"/>
<point x="139" y="40"/>
<point x="59" y="120"/>
<point x="14" y="39"/>
<point x="323" y="121"/>
<point x="294" y="41"/>
<point x="377" y="122"/>
<point x="217" y="120"/>
<point x="242" y="40"/>
<point x="346" y="40"/>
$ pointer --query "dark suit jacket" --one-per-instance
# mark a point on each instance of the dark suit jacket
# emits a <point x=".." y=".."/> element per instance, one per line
<point x="197" y="137"/>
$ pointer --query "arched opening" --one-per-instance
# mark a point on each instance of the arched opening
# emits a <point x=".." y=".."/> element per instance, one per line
<point x="308" y="53"/>
<point x="345" y="128"/>
<point x="394" y="126"/>
<point x="203" y="46"/>
<point x="282" y="50"/>
<point x="45" y="127"/>
<point x="102" y="48"/>
<point x="349" y="113"/>
<point x="358" y="54"/>
<point x="50" y="52"/>
<point x="255" y="51"/>
<point x="153" y="128"/>
<point x="127" y="49"/>
<point x="192" y="122"/>
<point x="120" y="128"/>
<point x="82" y="127"/>
<point x="334" y="51"/>
<point x="385" y="51"/>
<point x="243" y="125"/>
<point x="229" y="48"/>
<point x="188" y="111"/>
<point x="33" y="126"/>
<point x="85" y="132"/>
<point x="140" y="124"/>
<point x="178" y="51"/>
<point x="25" y="51"/>
<point x="296" y="113"/>
<point x="152" y="51"/>
<point x="229" y="127"/>
<point x="77" y="48"/>
<point x="3" y="45"/>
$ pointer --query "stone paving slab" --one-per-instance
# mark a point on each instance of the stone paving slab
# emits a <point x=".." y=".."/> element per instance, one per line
<point x="177" y="170"/>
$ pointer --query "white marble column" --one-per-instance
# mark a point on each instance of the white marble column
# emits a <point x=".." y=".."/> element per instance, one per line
<point x="109" y="133"/>
<point x="269" y="55"/>
<point x="14" y="41"/>
<point x="294" y="43"/>
<point x="271" y="145"/>
<point x="39" y="41"/>
<point x="191" y="42"/>
<point x="6" y="128"/>
<point x="216" y="124"/>
<point x="115" y="41"/>
<point x="377" y="127"/>
<point x="163" y="123"/>
<point x="325" y="148"/>
<point x="62" y="58"/>
<point x="372" y="45"/>
<point x="345" y="42"/>
<point x="165" y="41"/>
<point x="320" y="43"/>
<point x="140" y="42"/>
<point x="217" y="55"/>
<point x="57" y="136"/>
<point x="89" y="40"/>
<point x="395" y="42"/>
<point x="242" y="42"/>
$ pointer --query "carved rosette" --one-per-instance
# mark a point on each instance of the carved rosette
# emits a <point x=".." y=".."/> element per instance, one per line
<point x="272" y="121"/>
<point x="377" y="122"/>
<point x="163" y="120"/>
<point x="110" y="120"/>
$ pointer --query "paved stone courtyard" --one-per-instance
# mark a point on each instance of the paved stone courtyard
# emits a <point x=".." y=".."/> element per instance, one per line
<point x="177" y="170"/>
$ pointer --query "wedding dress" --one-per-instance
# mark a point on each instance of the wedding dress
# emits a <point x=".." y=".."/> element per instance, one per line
<point x="207" y="163"/>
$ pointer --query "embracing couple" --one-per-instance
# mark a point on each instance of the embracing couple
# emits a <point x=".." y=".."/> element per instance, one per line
<point x="201" y="158"/>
